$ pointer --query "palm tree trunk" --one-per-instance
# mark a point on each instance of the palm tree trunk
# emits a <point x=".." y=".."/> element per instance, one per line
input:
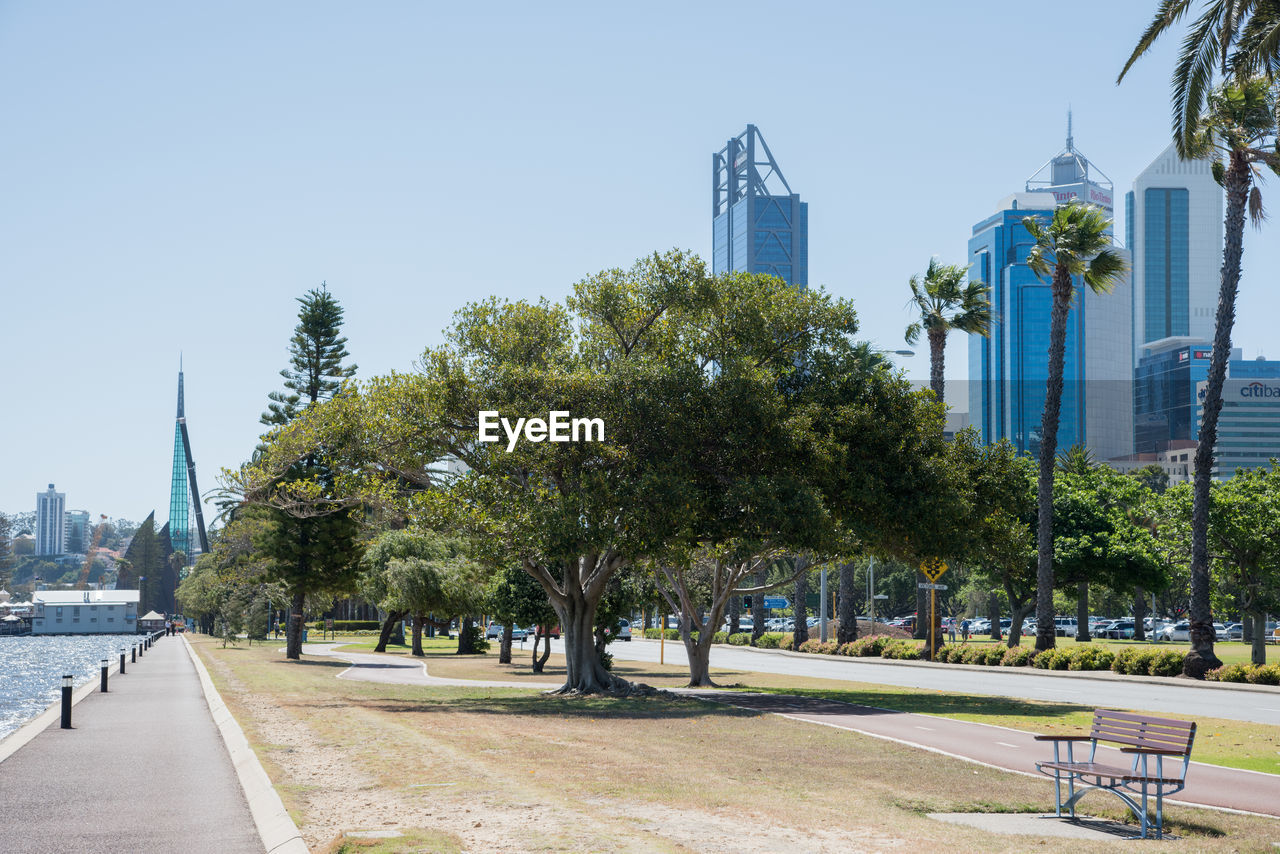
<point x="1082" y="614"/>
<point x="937" y="357"/>
<point x="800" y="633"/>
<point x="1202" y="659"/>
<point x="1046" y="637"/>
<point x="846" y="605"/>
<point x="757" y="606"/>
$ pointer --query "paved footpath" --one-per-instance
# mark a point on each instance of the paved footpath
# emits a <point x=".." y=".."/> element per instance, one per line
<point x="144" y="769"/>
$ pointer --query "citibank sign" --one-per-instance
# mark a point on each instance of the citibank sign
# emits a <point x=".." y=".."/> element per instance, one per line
<point x="1257" y="389"/>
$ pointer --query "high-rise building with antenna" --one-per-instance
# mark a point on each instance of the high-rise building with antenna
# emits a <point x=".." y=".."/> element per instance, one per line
<point x="758" y="224"/>
<point x="184" y="494"/>
<point x="1008" y="370"/>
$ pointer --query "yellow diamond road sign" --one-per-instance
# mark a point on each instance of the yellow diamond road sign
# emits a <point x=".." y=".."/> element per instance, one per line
<point x="933" y="568"/>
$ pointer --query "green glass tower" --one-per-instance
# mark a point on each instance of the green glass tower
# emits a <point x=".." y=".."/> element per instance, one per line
<point x="184" y="495"/>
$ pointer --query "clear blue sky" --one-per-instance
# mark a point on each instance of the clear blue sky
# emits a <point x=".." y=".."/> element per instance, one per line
<point x="173" y="175"/>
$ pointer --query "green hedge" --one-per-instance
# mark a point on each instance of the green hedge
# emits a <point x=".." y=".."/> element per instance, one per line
<point x="1264" y="674"/>
<point x="653" y="634"/>
<point x="347" y="625"/>
<point x="740" y="639"/>
<point x="770" y="640"/>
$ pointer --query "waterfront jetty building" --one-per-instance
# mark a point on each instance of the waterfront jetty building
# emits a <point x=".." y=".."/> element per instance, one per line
<point x="84" y="612"/>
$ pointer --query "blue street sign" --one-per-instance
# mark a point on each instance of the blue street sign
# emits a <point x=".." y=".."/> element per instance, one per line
<point x="776" y="602"/>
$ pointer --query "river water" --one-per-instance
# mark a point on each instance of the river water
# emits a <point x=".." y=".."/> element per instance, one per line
<point x="31" y="670"/>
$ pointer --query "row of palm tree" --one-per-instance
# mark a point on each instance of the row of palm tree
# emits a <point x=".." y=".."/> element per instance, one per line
<point x="1225" y="106"/>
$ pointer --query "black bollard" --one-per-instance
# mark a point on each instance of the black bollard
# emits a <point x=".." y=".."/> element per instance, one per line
<point x="133" y="652"/>
<point x="121" y="661"/>
<point x="67" y="682"/>
<point x="104" y="676"/>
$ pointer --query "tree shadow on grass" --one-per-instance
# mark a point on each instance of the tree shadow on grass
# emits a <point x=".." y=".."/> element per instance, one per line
<point x="935" y="704"/>
<point x="310" y="662"/>
<point x="542" y="705"/>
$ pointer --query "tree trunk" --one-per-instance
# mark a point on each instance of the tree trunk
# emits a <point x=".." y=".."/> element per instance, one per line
<point x="1082" y="614"/>
<point x="417" y="635"/>
<point x="585" y="674"/>
<point x="1139" y="615"/>
<point x="504" y="651"/>
<point x="388" y="626"/>
<point x="757" y="605"/>
<point x="735" y="612"/>
<point x="1246" y="628"/>
<point x="1046" y="636"/>
<point x="539" y="663"/>
<point x="699" y="654"/>
<point x="293" y="635"/>
<point x="800" y="633"/>
<point x="466" y="645"/>
<point x="1019" y="613"/>
<point x="1258" y="648"/>
<point x="1202" y="659"/>
<point x="993" y="613"/>
<point x="847" y="607"/>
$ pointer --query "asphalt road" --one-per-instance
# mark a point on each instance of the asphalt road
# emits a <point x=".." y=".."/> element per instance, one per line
<point x="1125" y="693"/>
<point x="143" y="769"/>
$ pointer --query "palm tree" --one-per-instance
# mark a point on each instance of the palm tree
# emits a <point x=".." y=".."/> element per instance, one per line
<point x="1238" y="128"/>
<point x="947" y="301"/>
<point x="1075" y="242"/>
<point x="1251" y="27"/>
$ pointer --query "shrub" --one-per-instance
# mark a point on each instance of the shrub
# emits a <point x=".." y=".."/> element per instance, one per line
<point x="720" y="637"/>
<point x="948" y="654"/>
<point x="1051" y="659"/>
<point x="992" y="655"/>
<point x="1266" y="674"/>
<point x="740" y="639"/>
<point x="1133" y="662"/>
<point x="902" y="650"/>
<point x="1167" y="663"/>
<point x="869" y="647"/>
<point x="1087" y="657"/>
<point x="769" y="640"/>
<point x="1229" y="673"/>
<point x="654" y="634"/>
<point x="1017" y="656"/>
<point x="787" y="641"/>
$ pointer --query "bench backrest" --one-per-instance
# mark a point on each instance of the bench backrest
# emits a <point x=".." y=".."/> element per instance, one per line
<point x="1143" y="731"/>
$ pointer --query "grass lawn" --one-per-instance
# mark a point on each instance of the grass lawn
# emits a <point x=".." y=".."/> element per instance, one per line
<point x="1219" y="741"/>
<point x="515" y="770"/>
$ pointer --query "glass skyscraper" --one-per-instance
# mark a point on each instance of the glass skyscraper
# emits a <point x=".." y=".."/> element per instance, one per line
<point x="1008" y="370"/>
<point x="1173" y="228"/>
<point x="759" y="225"/>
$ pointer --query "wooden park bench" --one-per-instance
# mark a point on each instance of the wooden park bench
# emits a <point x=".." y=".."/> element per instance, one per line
<point x="1152" y="741"/>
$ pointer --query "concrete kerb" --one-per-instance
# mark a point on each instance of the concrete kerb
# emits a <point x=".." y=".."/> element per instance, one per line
<point x="1096" y="675"/>
<point x="276" y="829"/>
<point x="14" y="741"/>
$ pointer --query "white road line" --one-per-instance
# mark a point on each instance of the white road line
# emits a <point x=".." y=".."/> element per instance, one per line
<point x="1007" y="744"/>
<point x="926" y="728"/>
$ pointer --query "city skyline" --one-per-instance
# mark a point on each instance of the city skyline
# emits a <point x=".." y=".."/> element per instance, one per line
<point x="149" y="175"/>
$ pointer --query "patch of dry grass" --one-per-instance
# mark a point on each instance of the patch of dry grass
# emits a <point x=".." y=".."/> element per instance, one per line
<point x="513" y="770"/>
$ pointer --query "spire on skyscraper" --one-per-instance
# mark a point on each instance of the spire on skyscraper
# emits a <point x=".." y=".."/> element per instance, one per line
<point x="184" y="494"/>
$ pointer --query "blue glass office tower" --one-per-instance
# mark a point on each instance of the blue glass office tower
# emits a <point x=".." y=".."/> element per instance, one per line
<point x="184" y="495"/>
<point x="759" y="225"/>
<point x="1008" y="370"/>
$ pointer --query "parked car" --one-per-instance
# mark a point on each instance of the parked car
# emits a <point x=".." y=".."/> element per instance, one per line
<point x="1119" y="630"/>
<point x="1181" y="631"/>
<point x="624" y="630"/>
<point x="494" y="632"/>
<point x="1064" y="626"/>
<point x="1235" y="631"/>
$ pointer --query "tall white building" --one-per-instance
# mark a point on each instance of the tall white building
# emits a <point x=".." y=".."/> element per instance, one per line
<point x="51" y="527"/>
<point x="1173" y="228"/>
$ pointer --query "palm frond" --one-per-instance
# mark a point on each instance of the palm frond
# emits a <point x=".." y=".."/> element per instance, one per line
<point x="1105" y="271"/>
<point x="1193" y="74"/>
<point x="1256" y="212"/>
<point x="1168" y="14"/>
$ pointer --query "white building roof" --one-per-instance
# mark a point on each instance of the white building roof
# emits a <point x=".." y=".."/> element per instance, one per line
<point x="93" y="597"/>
